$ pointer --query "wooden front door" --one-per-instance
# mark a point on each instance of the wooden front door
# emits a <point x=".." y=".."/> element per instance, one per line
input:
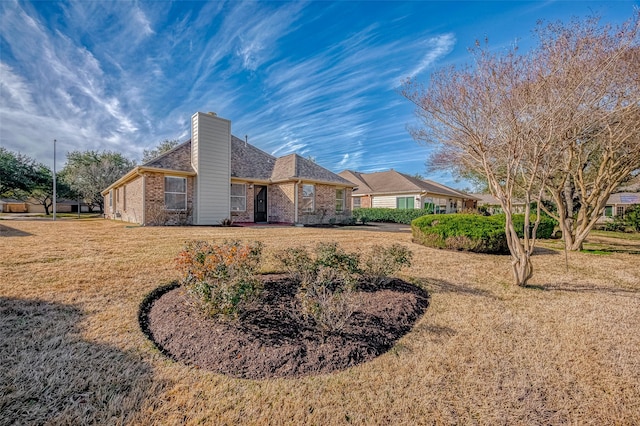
<point x="260" y="204"/>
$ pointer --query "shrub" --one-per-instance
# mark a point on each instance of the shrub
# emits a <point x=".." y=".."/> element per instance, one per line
<point x="329" y="305"/>
<point x="615" y="225"/>
<point x="469" y="232"/>
<point x="632" y="217"/>
<point x="328" y="278"/>
<point x="382" y="262"/>
<point x="404" y="216"/>
<point x="545" y="228"/>
<point x="222" y="277"/>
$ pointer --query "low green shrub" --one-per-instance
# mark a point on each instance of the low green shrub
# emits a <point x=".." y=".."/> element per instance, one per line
<point x="222" y="277"/>
<point x="468" y="232"/>
<point x="472" y="232"/>
<point x="545" y="228"/>
<point x="615" y="225"/>
<point x="632" y="217"/>
<point x="404" y="216"/>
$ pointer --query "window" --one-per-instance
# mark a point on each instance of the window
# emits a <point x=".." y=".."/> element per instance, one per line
<point x="238" y="197"/>
<point x="620" y="211"/>
<point x="339" y="200"/>
<point x="404" y="202"/>
<point x="357" y="202"/>
<point x="124" y="198"/>
<point x="175" y="193"/>
<point x="111" y="205"/>
<point x="608" y="211"/>
<point x="429" y="204"/>
<point x="308" y="198"/>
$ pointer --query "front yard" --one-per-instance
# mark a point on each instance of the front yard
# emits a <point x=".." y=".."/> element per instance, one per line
<point x="565" y="350"/>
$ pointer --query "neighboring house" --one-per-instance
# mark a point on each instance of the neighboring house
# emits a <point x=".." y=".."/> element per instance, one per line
<point x="33" y="206"/>
<point x="618" y="203"/>
<point x="9" y="205"/>
<point x="216" y="176"/>
<point x="492" y="205"/>
<point x="392" y="189"/>
<point x="62" y="206"/>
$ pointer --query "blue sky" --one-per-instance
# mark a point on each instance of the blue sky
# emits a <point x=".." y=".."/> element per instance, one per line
<point x="317" y="78"/>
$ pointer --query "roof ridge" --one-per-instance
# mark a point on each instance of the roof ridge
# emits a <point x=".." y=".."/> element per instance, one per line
<point x="247" y="145"/>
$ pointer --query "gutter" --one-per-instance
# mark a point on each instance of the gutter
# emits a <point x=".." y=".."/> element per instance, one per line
<point x="295" y="201"/>
<point x="138" y="170"/>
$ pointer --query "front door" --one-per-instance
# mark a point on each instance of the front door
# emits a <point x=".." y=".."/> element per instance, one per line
<point x="260" y="204"/>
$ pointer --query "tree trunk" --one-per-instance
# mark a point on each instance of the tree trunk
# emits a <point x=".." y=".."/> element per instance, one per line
<point x="521" y="265"/>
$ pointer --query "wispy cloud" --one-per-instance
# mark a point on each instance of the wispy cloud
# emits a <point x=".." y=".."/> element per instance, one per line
<point x="122" y="76"/>
<point x="437" y="47"/>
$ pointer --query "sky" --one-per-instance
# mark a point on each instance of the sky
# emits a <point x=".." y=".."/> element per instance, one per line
<point x="318" y="78"/>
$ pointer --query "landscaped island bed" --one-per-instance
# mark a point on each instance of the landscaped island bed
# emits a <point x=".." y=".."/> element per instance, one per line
<point x="564" y="350"/>
<point x="270" y="340"/>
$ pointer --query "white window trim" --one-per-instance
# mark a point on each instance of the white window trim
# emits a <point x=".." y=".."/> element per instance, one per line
<point x="343" y="198"/>
<point x="244" y="197"/>
<point x="313" y="198"/>
<point x="164" y="181"/>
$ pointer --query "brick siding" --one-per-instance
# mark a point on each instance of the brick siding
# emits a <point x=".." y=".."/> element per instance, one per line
<point x="247" y="215"/>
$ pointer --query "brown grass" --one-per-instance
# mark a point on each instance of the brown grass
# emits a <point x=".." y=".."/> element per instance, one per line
<point x="566" y="350"/>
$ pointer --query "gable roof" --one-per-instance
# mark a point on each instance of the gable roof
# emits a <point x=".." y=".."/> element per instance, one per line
<point x="394" y="182"/>
<point x="247" y="162"/>
<point x="624" y="198"/>
<point x="295" y="167"/>
<point x="177" y="158"/>
<point x="488" y="199"/>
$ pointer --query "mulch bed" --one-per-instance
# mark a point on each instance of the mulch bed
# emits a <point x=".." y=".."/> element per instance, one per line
<point x="271" y="339"/>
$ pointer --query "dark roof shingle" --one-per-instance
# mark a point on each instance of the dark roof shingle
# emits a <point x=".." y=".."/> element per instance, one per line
<point x="391" y="181"/>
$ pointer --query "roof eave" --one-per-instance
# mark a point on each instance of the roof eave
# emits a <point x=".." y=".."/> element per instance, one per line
<point x="138" y="170"/>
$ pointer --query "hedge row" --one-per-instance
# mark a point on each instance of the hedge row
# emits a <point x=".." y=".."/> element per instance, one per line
<point x="545" y="228"/>
<point x="364" y="215"/>
<point x="468" y="232"/>
<point x="406" y="216"/>
<point x="471" y="232"/>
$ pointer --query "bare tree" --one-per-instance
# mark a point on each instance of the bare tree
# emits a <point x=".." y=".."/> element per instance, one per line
<point x="481" y="118"/>
<point x="595" y="73"/>
<point x="558" y="117"/>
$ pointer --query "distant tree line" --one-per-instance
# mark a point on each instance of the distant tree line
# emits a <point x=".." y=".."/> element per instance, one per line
<point x="84" y="175"/>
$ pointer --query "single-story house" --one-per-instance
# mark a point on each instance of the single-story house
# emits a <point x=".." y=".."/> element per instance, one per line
<point x="9" y="205"/>
<point x="618" y="203"/>
<point x="392" y="189"/>
<point x="33" y="206"/>
<point x="214" y="177"/>
<point x="492" y="205"/>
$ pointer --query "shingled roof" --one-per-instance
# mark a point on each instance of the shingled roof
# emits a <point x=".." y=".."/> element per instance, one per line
<point x="394" y="182"/>
<point x="295" y="167"/>
<point x="249" y="162"/>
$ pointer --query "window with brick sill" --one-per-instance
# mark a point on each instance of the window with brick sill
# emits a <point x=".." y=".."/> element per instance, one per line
<point x="308" y="198"/>
<point x="340" y="200"/>
<point x="238" y="197"/>
<point x="175" y="193"/>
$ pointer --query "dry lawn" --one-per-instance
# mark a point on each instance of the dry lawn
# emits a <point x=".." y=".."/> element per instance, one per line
<point x="565" y="351"/>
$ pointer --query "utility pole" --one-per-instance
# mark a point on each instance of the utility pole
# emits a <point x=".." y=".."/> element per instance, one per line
<point x="54" y="180"/>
